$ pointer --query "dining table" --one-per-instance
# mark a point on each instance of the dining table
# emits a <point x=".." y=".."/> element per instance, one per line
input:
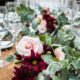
<point x="6" y="73"/>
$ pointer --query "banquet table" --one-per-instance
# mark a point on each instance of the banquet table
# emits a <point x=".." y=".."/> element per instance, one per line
<point x="6" y="73"/>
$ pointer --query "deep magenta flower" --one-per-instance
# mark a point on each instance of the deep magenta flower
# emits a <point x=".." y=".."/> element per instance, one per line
<point x="47" y="49"/>
<point x="31" y="66"/>
<point x="50" y="20"/>
<point x="34" y="62"/>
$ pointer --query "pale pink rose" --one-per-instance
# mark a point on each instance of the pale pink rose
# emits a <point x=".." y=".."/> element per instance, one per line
<point x="27" y="44"/>
<point x="40" y="17"/>
<point x="43" y="22"/>
<point x="59" y="54"/>
<point x="42" y="27"/>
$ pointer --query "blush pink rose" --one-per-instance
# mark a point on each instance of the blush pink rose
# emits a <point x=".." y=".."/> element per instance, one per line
<point x="42" y="27"/>
<point x="40" y="17"/>
<point x="59" y="54"/>
<point x="27" y="44"/>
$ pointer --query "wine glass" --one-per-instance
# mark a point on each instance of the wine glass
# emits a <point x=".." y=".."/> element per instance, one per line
<point x="72" y="9"/>
<point x="2" y="33"/>
<point x="76" y="22"/>
<point x="13" y="21"/>
<point x="18" y="2"/>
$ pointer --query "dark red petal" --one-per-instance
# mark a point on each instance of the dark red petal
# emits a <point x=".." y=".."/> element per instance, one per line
<point x="15" y="78"/>
<point x="36" y="69"/>
<point x="18" y="57"/>
<point x="42" y="65"/>
<point x="32" y="54"/>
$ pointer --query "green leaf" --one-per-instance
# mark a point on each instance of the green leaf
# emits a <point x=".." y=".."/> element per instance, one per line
<point x="77" y="19"/>
<point x="64" y="74"/>
<point x="73" y="77"/>
<point x="25" y="13"/>
<point x="46" y="38"/>
<point x="56" y="78"/>
<point x="47" y="58"/>
<point x="40" y="77"/>
<point x="15" y="53"/>
<point x="71" y="53"/>
<point x="53" y="68"/>
<point x="17" y="61"/>
<point x="63" y="20"/>
<point x="76" y="64"/>
<point x="64" y="63"/>
<point x="54" y="12"/>
<point x="35" y="23"/>
<point x="26" y="31"/>
<point x="10" y="58"/>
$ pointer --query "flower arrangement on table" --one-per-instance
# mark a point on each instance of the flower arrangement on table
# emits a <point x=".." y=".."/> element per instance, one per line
<point x="51" y="51"/>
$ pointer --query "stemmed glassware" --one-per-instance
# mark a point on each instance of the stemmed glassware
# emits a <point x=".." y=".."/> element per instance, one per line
<point x="2" y="33"/>
<point x="12" y="20"/>
<point x="72" y="10"/>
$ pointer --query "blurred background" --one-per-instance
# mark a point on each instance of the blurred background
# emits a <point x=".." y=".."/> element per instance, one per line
<point x="2" y="2"/>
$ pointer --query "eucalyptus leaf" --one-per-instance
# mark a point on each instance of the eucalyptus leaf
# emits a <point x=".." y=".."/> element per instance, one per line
<point x="64" y="63"/>
<point x="10" y="58"/>
<point x="77" y="42"/>
<point x="47" y="58"/>
<point x="64" y="74"/>
<point x="73" y="77"/>
<point x="63" y="19"/>
<point x="56" y="78"/>
<point x="25" y="13"/>
<point x="77" y="19"/>
<point x="54" y="12"/>
<point x="42" y="76"/>
<point x="53" y="68"/>
<point x="35" y="23"/>
<point x="76" y="64"/>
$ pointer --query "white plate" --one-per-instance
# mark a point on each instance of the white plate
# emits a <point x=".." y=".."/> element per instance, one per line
<point x="4" y="44"/>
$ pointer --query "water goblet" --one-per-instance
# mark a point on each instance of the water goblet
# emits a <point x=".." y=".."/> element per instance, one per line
<point x="2" y="34"/>
<point x="13" y="21"/>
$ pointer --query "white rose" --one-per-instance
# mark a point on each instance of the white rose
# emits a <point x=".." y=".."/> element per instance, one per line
<point x="59" y="54"/>
<point x="27" y="44"/>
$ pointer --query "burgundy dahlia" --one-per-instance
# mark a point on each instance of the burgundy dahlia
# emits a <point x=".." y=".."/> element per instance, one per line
<point x="51" y="21"/>
<point x="34" y="62"/>
<point x="30" y="67"/>
<point x="47" y="49"/>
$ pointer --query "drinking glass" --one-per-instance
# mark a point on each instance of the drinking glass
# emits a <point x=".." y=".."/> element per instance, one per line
<point x="72" y="9"/>
<point x="76" y="23"/>
<point x="12" y="20"/>
<point x="18" y="2"/>
<point x="78" y="8"/>
<point x="2" y="34"/>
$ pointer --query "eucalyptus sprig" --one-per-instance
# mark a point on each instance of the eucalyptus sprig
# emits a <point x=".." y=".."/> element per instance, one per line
<point x="25" y="13"/>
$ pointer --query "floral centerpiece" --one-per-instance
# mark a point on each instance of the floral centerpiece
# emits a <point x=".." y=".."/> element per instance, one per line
<point x="50" y="51"/>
